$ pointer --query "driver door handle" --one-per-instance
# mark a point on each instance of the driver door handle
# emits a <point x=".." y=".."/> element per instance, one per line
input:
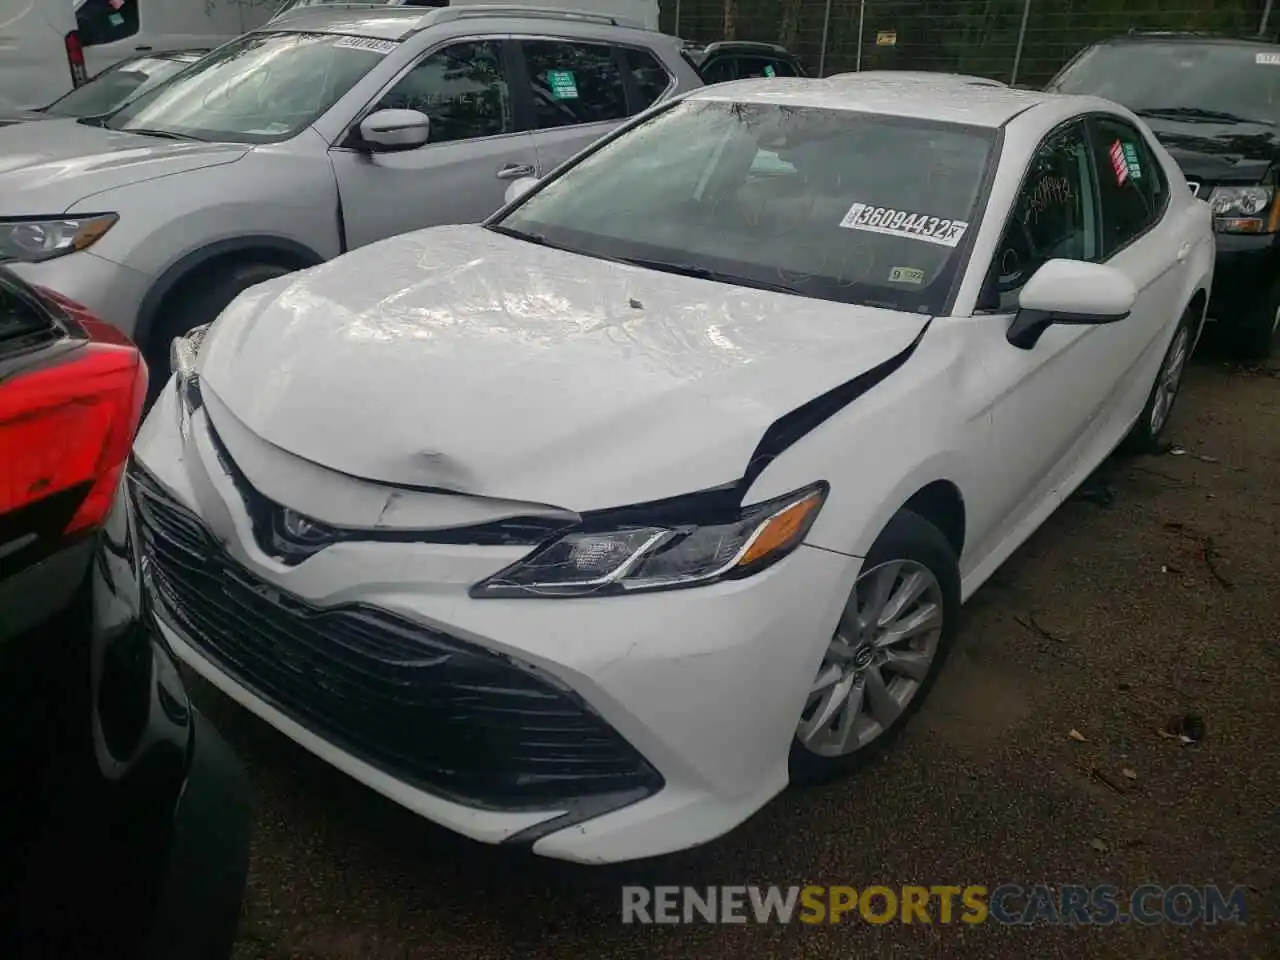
<point x="1184" y="251"/>
<point x="514" y="171"/>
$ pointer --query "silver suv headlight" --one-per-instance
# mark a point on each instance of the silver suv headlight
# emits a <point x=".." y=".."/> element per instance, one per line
<point x="34" y="239"/>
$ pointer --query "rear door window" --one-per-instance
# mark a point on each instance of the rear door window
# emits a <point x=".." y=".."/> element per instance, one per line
<point x="1131" y="185"/>
<point x="574" y="83"/>
<point x="649" y="75"/>
<point x="106" y="21"/>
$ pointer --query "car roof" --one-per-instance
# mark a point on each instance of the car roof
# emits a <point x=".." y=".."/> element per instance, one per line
<point x="945" y="97"/>
<point x="393" y="22"/>
<point x="382" y="23"/>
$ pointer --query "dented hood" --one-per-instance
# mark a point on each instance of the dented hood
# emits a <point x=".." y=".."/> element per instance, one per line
<point x="460" y="359"/>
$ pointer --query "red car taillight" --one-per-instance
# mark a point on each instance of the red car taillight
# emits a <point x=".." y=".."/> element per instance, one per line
<point x="71" y="425"/>
<point x="75" y="58"/>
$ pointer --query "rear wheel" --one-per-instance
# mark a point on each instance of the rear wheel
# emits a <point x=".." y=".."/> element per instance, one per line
<point x="200" y="300"/>
<point x="887" y="651"/>
<point x="1145" y="436"/>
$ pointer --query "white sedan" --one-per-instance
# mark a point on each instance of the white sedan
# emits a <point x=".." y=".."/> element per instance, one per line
<point x="594" y="526"/>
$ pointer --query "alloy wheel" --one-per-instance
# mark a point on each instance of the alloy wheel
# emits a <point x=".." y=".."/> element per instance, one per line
<point x="1170" y="379"/>
<point x="878" y="660"/>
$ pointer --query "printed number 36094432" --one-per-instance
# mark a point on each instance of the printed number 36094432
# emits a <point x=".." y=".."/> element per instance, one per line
<point x="904" y="223"/>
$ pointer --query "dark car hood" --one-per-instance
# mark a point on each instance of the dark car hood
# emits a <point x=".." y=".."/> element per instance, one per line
<point x="1219" y="152"/>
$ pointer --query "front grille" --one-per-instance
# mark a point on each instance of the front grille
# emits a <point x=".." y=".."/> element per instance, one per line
<point x="446" y="716"/>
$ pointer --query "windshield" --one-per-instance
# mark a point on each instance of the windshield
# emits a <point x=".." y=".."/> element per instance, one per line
<point x="117" y="85"/>
<point x="853" y="207"/>
<point x="1205" y="82"/>
<point x="261" y="88"/>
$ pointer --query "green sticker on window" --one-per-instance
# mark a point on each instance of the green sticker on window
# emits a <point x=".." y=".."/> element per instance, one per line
<point x="1131" y="159"/>
<point x="563" y="86"/>
<point x="115" y="19"/>
<point x="769" y="71"/>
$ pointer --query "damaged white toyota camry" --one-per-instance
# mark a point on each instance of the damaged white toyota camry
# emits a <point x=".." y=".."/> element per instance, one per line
<point x="594" y="526"/>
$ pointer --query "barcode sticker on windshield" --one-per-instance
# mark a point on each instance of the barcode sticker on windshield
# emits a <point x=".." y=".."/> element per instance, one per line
<point x="1271" y="59"/>
<point x="367" y="43"/>
<point x="904" y="223"/>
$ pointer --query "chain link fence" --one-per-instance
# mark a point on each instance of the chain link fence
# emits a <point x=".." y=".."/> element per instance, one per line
<point x="1015" y="41"/>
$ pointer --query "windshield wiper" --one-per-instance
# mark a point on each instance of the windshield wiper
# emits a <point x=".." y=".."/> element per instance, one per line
<point x="163" y="134"/>
<point x="706" y="273"/>
<point x="1195" y="113"/>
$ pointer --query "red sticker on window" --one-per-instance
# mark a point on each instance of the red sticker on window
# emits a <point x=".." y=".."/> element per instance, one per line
<point x="1119" y="163"/>
<point x="115" y="4"/>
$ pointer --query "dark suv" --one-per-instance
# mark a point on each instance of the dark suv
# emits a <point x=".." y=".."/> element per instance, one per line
<point x="1214" y="102"/>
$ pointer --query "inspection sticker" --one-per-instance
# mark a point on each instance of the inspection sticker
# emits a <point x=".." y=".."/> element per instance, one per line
<point x="367" y="43"/>
<point x="904" y="223"/>
<point x="1118" y="163"/>
<point x="563" y="86"/>
<point x="1131" y="159"/>
<point x="1270" y="59"/>
<point x="906" y="275"/>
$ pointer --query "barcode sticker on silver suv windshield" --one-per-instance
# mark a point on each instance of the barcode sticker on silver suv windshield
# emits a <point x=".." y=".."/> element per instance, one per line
<point x="904" y="223"/>
<point x="372" y="44"/>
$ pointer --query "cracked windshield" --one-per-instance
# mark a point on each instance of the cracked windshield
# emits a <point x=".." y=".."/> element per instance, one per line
<point x="837" y="205"/>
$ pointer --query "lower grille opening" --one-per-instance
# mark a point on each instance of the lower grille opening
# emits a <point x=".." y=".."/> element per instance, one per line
<point x="446" y="716"/>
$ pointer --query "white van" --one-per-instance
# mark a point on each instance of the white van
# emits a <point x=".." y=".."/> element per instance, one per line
<point x="49" y="46"/>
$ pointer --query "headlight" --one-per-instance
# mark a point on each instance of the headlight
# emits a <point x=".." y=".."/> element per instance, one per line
<point x="44" y="238"/>
<point x="184" y="351"/>
<point x="1243" y="209"/>
<point x="661" y="557"/>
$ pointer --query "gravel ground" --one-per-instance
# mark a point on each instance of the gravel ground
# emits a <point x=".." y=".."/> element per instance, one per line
<point x="1111" y="620"/>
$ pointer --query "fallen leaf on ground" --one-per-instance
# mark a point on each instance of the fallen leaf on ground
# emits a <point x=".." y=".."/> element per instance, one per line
<point x="1130" y="774"/>
<point x="1077" y="735"/>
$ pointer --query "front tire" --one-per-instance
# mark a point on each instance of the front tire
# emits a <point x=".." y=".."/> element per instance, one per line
<point x="890" y="645"/>
<point x="201" y="300"/>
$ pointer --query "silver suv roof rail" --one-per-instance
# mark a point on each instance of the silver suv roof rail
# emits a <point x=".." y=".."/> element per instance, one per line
<point x="468" y="11"/>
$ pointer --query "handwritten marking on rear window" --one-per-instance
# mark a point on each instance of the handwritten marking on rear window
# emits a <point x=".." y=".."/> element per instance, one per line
<point x="904" y="223"/>
<point x="367" y="43"/>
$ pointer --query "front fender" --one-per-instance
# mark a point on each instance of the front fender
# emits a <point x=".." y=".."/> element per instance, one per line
<point x="907" y="432"/>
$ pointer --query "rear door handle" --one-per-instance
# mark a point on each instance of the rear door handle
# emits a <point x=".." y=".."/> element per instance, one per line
<point x="514" y="171"/>
<point x="143" y="49"/>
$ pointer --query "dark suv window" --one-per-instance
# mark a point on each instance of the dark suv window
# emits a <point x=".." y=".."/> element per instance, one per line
<point x="574" y="83"/>
<point x="1131" y="187"/>
<point x="720" y="69"/>
<point x="462" y="88"/>
<point x="106" y="21"/>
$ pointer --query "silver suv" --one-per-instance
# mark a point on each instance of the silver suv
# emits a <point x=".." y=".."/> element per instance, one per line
<point x="325" y="130"/>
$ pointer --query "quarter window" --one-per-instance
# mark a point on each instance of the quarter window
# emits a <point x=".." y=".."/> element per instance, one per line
<point x="106" y="21"/>
<point x="462" y="88"/>
<point x="650" y="76"/>
<point x="574" y="83"/>
<point x="1131" y="186"/>
<point x="1054" y="216"/>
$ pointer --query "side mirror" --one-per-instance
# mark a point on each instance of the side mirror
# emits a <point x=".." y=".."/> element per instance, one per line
<point x="518" y="188"/>
<point x="395" y="129"/>
<point x="1070" y="292"/>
